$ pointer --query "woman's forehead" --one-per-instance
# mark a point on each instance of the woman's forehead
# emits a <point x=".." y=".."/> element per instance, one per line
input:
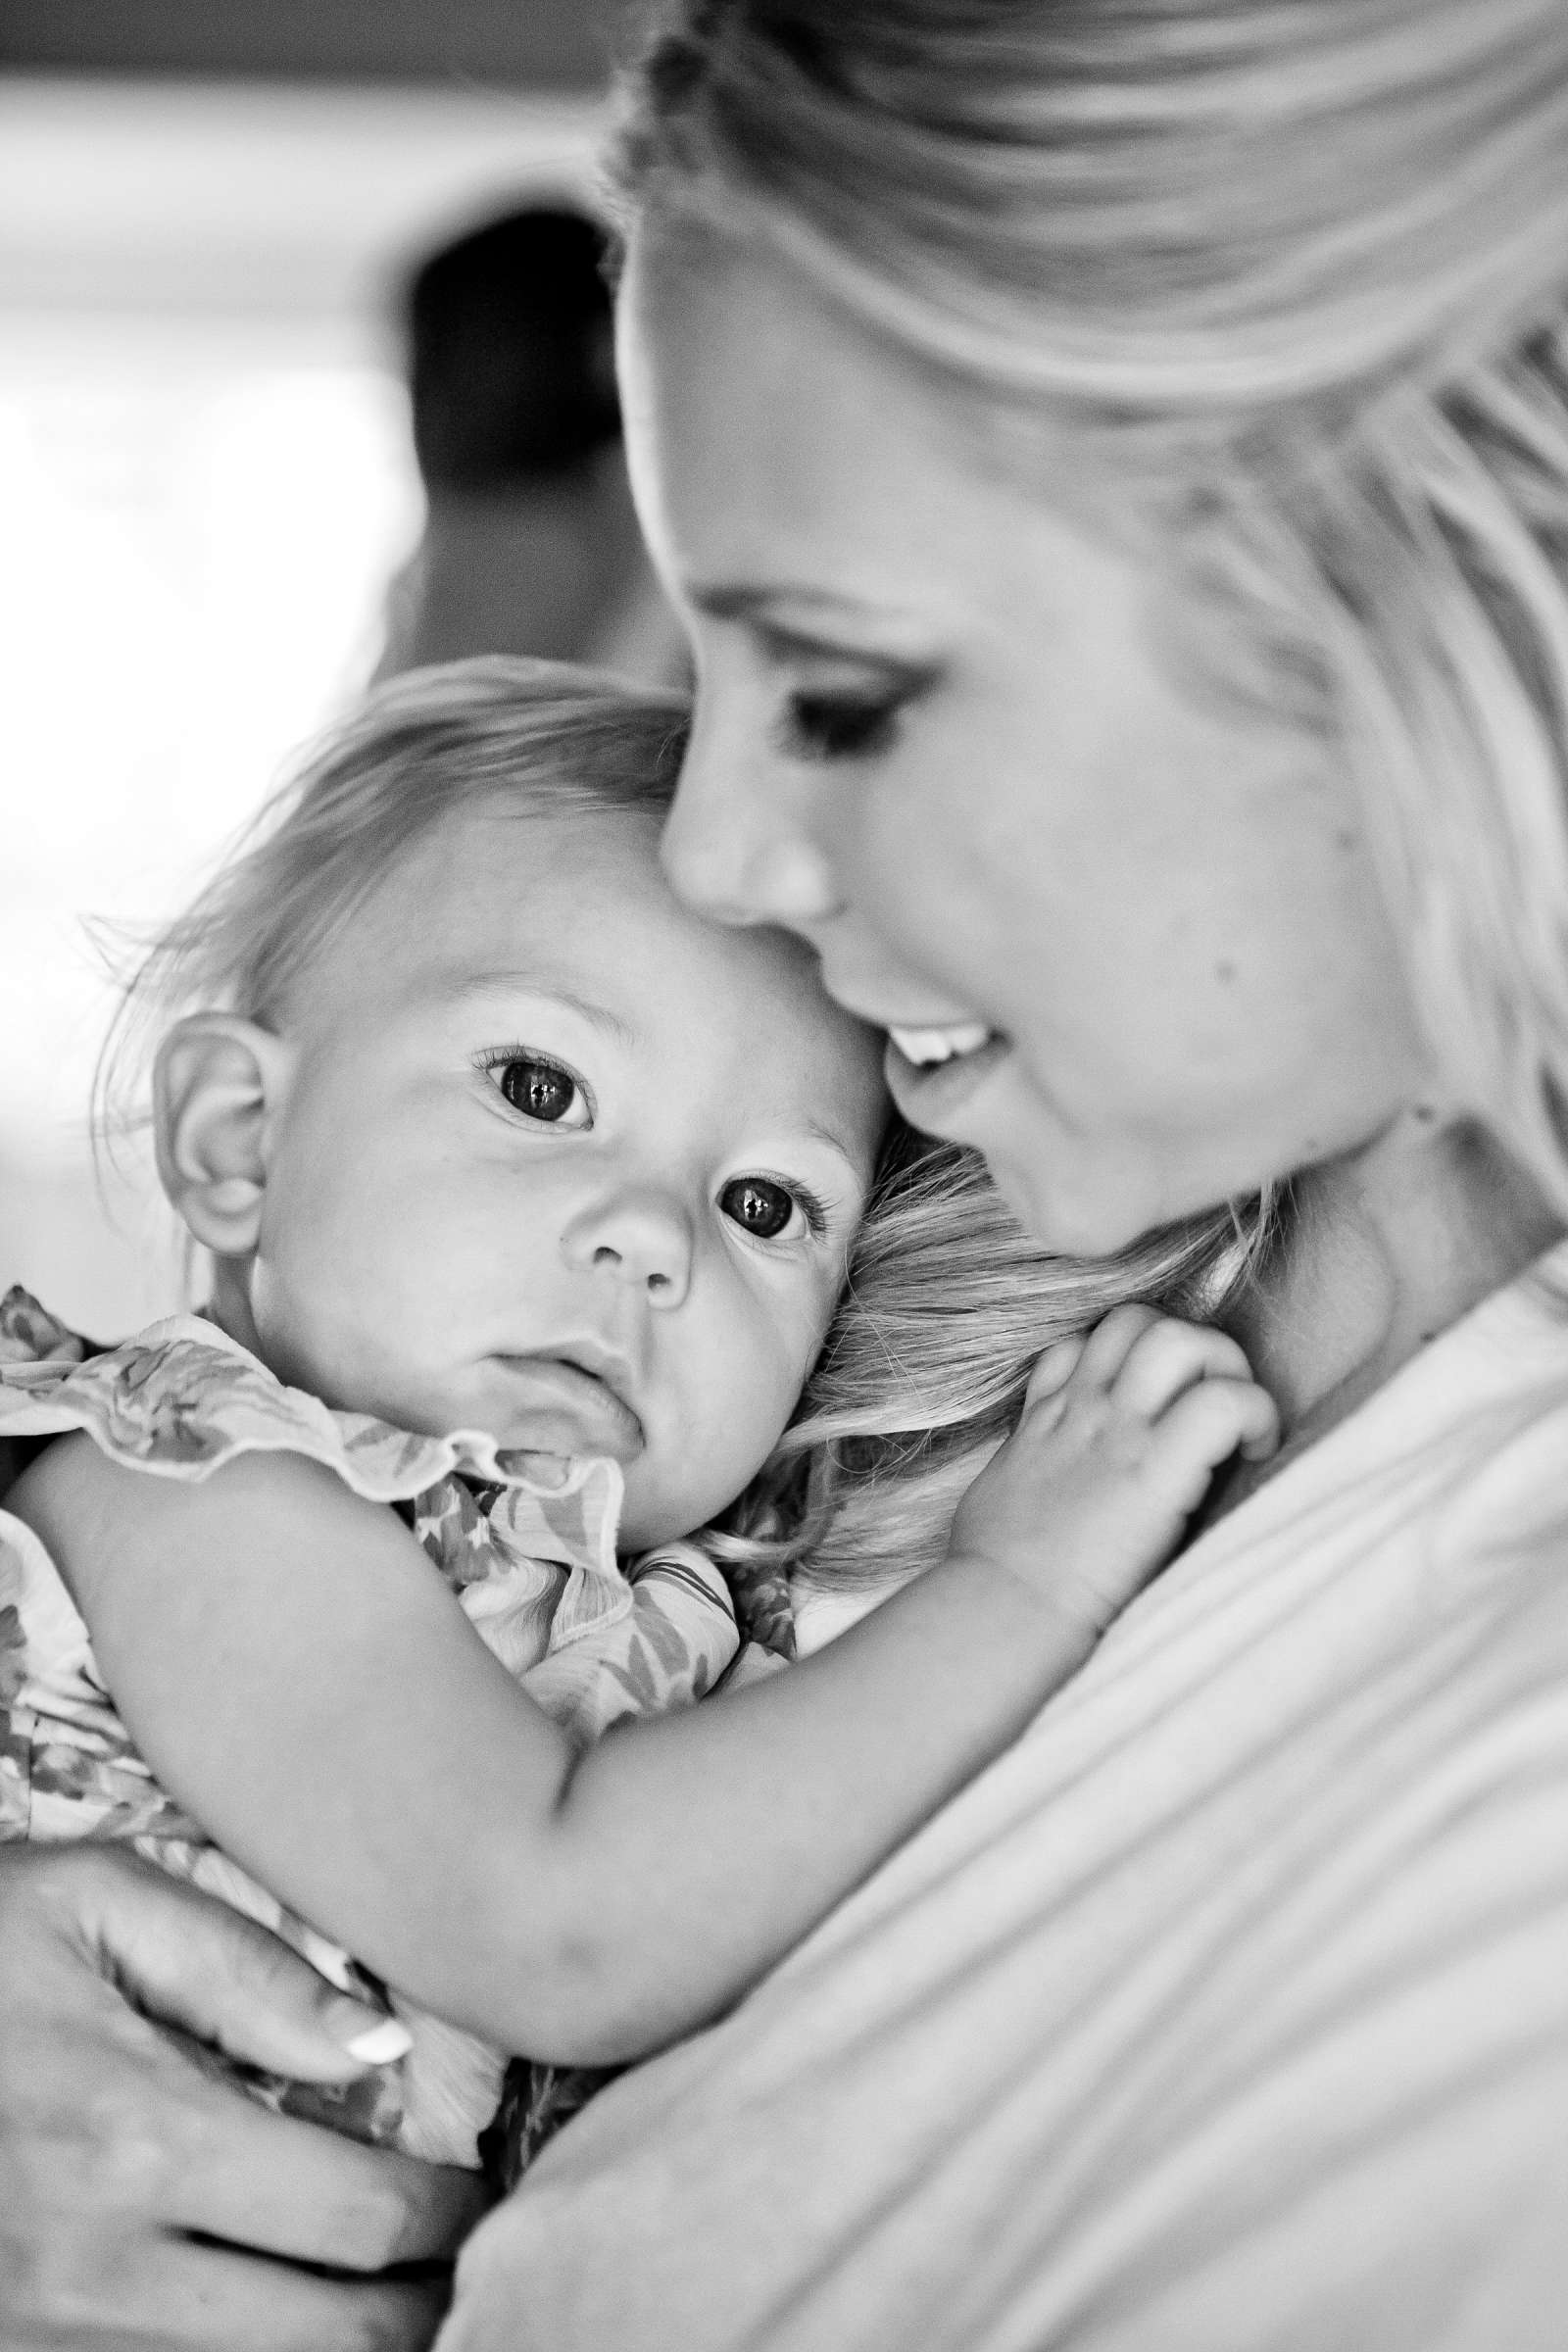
<point x="775" y="443"/>
<point x="753" y="407"/>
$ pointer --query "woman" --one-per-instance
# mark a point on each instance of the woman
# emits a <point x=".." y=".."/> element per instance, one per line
<point x="1114" y="461"/>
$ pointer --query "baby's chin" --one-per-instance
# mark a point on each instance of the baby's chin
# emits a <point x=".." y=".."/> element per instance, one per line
<point x="657" y="1514"/>
<point x="545" y="1417"/>
<point x="646" y="1530"/>
<point x="526" y="1405"/>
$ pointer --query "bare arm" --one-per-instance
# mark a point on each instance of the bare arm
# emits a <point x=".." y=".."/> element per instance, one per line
<point x="301" y="1681"/>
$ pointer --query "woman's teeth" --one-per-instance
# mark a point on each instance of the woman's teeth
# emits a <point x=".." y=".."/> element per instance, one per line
<point x="925" y="1048"/>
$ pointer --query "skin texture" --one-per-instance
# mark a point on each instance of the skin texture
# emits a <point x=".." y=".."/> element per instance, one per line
<point x="613" y="1899"/>
<point x="119" y="2159"/>
<point x="941" y="734"/>
<point x="977" y="754"/>
<point x="420" y="1229"/>
<point x="1221" y="1005"/>
<point x="398" y="1237"/>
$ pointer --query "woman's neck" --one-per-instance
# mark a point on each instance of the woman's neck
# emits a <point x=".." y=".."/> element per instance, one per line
<point x="1387" y="1249"/>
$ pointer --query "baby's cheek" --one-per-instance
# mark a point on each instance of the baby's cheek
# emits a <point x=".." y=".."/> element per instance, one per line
<point x="740" y="1377"/>
<point x="752" y="1404"/>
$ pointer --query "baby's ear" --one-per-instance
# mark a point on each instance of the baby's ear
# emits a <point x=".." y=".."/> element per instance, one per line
<point x="216" y="1081"/>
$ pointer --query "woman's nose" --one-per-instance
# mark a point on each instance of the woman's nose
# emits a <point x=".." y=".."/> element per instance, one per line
<point x="641" y="1239"/>
<point x="740" y="851"/>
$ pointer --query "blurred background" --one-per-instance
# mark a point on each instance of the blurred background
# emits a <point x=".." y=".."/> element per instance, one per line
<point x="233" y="234"/>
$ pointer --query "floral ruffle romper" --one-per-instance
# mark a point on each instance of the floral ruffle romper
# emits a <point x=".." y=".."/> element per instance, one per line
<point x="532" y="1564"/>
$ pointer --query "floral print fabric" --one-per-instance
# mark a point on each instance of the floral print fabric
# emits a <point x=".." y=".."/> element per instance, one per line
<point x="525" y="1543"/>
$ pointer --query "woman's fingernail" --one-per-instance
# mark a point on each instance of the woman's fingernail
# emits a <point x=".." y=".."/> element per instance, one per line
<point x="380" y="2043"/>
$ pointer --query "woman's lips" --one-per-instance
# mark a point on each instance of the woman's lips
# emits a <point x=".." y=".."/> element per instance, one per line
<point x="555" y="1406"/>
<point x="956" y="1061"/>
<point x="932" y="1066"/>
<point x="927" y="1046"/>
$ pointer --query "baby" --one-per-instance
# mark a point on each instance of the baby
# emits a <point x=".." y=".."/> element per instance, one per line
<point x="529" y="1199"/>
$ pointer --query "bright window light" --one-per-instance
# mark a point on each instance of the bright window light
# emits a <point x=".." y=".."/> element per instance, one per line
<point x="205" y="480"/>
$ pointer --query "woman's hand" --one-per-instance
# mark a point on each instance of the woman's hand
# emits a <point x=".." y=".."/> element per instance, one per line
<point x="137" y="2193"/>
<point x="1120" y="1436"/>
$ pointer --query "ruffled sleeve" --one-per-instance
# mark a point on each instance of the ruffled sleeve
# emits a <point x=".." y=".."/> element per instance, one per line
<point x="526" y="1541"/>
<point x="182" y="1399"/>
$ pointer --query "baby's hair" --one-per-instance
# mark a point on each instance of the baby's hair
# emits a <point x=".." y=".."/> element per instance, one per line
<point x="948" y="1301"/>
<point x="546" y="738"/>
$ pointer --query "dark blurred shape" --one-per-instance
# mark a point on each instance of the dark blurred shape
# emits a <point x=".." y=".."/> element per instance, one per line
<point x="509" y="44"/>
<point x="530" y="543"/>
<point x="512" y="363"/>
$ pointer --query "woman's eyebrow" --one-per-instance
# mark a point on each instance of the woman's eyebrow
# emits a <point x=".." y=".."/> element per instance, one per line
<point x="470" y="986"/>
<point x="847" y="623"/>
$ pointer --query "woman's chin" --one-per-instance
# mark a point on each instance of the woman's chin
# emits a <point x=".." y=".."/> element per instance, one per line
<point x="1094" y="1213"/>
<point x="1080" y="1191"/>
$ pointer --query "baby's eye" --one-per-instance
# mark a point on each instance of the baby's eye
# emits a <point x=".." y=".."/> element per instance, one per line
<point x="761" y="1207"/>
<point x="542" y="1090"/>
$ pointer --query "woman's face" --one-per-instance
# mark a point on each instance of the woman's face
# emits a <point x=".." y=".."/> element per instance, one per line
<point x="1122" y="927"/>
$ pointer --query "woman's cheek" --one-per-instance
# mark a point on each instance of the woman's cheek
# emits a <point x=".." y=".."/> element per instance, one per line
<point x="1086" y="1192"/>
<point x="1083" y="1220"/>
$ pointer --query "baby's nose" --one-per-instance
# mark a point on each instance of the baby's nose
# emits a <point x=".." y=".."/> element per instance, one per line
<point x="642" y="1241"/>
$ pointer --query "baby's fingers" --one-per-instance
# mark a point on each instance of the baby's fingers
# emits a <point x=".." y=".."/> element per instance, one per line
<point x="1054" y="1366"/>
<point x="1104" y="1351"/>
<point x="1168" y="1356"/>
<point x="1215" y="1419"/>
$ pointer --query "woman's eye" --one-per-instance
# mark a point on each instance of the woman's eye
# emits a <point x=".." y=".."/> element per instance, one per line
<point x="838" y="726"/>
<point x="543" y="1091"/>
<point x="758" y="1207"/>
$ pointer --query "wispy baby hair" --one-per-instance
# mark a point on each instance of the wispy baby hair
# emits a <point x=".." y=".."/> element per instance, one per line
<point x="551" y="739"/>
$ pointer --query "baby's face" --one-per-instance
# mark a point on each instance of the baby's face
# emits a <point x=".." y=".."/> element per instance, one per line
<point x="556" y="1160"/>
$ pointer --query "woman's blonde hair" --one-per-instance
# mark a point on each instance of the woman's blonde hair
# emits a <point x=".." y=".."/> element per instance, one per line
<point x="1301" y="266"/>
<point x="946" y="1303"/>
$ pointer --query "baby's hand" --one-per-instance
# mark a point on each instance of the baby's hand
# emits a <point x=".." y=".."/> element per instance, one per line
<point x="1120" y="1436"/>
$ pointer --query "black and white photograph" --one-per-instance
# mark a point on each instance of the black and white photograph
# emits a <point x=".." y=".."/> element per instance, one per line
<point x="784" y="1176"/>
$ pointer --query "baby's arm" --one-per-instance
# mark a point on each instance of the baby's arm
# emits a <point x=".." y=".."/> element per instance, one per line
<point x="302" y="1683"/>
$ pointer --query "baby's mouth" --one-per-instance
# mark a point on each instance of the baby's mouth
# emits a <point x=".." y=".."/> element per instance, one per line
<point x="558" y="1406"/>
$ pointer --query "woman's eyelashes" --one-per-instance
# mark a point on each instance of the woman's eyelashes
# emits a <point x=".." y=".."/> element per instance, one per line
<point x="540" y="1088"/>
<point x="843" y="723"/>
